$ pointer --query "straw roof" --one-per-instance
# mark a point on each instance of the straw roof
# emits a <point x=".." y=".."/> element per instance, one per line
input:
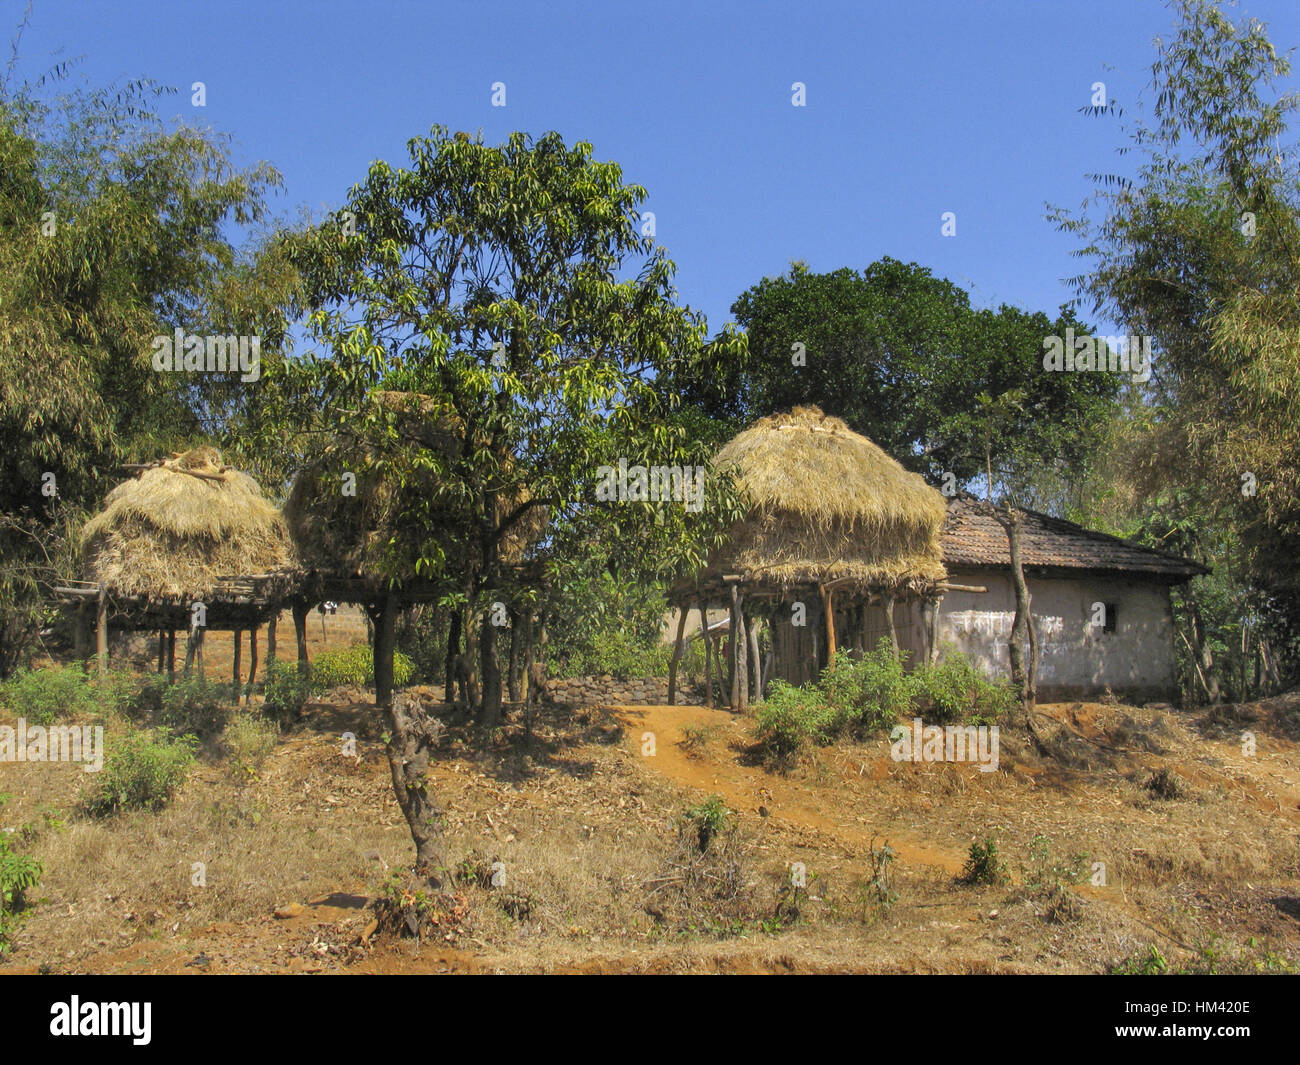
<point x="826" y="504"/>
<point x="173" y="530"/>
<point x="351" y="536"/>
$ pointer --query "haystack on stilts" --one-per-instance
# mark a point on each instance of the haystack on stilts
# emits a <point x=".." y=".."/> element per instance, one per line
<point x="185" y="544"/>
<point x="837" y="535"/>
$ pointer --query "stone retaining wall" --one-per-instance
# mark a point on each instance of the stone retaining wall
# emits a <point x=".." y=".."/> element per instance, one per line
<point x="640" y="691"/>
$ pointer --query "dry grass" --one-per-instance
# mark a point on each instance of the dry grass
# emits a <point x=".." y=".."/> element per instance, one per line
<point x="584" y="828"/>
<point x="174" y="529"/>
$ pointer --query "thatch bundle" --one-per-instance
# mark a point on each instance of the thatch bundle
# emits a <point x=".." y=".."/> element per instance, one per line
<point x="172" y="531"/>
<point x="352" y="535"/>
<point x="826" y="504"/>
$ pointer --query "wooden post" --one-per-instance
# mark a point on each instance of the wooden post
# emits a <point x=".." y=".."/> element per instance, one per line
<point x="677" y="654"/>
<point x="80" y="638"/>
<point x="755" y="667"/>
<point x="934" y="628"/>
<point x="252" y="663"/>
<point x="198" y="645"/>
<point x="888" y="602"/>
<point x="300" y="631"/>
<point x="270" y="641"/>
<point x="708" y="654"/>
<point x="171" y="656"/>
<point x="828" y="601"/>
<point x="162" y="649"/>
<point x="739" y="653"/>
<point x="101" y="633"/>
<point x="191" y="650"/>
<point x="236" y="665"/>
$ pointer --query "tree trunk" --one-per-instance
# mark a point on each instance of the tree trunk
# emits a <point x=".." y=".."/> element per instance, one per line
<point x="1205" y="654"/>
<point x="383" y="616"/>
<point x="755" y="666"/>
<point x="1024" y="680"/>
<point x="412" y="737"/>
<point x="514" y="675"/>
<point x="453" y="654"/>
<point x="490" y="715"/>
<point x="677" y="654"/>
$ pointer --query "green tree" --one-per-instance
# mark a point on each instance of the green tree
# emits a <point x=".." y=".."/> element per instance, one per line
<point x="898" y="354"/>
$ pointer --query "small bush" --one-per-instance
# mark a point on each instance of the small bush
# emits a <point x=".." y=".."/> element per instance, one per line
<point x="872" y="692"/>
<point x="1164" y="784"/>
<point x="42" y="696"/>
<point x="249" y="741"/>
<point x="790" y="718"/>
<point x="286" y="692"/>
<point x="621" y="655"/>
<point x="956" y="692"/>
<point x="983" y="865"/>
<point x="192" y="707"/>
<point x="142" y="771"/>
<point x="1149" y="962"/>
<point x="19" y="873"/>
<point x="705" y="822"/>
<point x="355" y="667"/>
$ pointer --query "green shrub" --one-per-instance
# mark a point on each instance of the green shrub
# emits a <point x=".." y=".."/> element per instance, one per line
<point x="790" y="718"/>
<point x="44" y="695"/>
<point x="142" y="771"/>
<point x="286" y="692"/>
<point x="984" y="865"/>
<point x="355" y="667"/>
<point x="620" y="654"/>
<point x="19" y="873"/>
<point x="192" y="707"/>
<point x="1149" y="962"/>
<point x="872" y="692"/>
<point x="705" y="822"/>
<point x="249" y="741"/>
<point x="956" y="692"/>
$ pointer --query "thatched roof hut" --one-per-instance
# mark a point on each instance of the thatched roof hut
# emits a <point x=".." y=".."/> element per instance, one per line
<point x="828" y="505"/>
<point x="837" y="533"/>
<point x="172" y="532"/>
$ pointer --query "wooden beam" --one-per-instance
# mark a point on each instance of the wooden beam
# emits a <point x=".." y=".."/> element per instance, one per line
<point x="946" y="587"/>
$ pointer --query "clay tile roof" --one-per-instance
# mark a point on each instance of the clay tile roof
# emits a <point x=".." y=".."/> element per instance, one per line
<point x="973" y="537"/>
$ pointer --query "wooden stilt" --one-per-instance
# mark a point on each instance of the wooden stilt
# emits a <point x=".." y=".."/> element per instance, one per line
<point x="677" y="654"/>
<point x="888" y="602"/>
<point x="300" y="632"/>
<point x="236" y="664"/>
<point x="755" y="667"/>
<point x="198" y="644"/>
<point x="739" y="656"/>
<point x="101" y="633"/>
<point x="270" y="642"/>
<point x="708" y="654"/>
<point x="252" y="663"/>
<point x="171" y="656"/>
<point x="162" y="650"/>
<point x="828" y="601"/>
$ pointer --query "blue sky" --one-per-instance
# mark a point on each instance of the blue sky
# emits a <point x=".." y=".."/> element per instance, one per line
<point x="913" y="109"/>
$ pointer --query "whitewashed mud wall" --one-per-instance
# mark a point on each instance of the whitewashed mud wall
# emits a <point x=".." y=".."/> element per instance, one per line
<point x="1078" y="659"/>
